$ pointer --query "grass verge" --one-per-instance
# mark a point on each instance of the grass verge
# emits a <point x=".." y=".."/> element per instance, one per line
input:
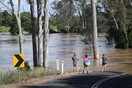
<point x="12" y="76"/>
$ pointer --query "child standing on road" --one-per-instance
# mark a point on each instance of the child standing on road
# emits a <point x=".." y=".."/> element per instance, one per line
<point x="86" y="63"/>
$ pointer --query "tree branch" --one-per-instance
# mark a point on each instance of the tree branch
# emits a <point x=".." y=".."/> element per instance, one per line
<point x="111" y="10"/>
<point x="6" y="6"/>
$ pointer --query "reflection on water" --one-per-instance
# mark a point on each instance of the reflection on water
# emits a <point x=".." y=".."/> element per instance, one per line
<point x="63" y="46"/>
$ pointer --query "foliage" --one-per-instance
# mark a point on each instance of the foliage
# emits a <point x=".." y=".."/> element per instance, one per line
<point x="26" y="21"/>
<point x="65" y="10"/>
<point x="122" y="12"/>
<point x="27" y="67"/>
<point x="14" y="27"/>
<point x="53" y="28"/>
<point x="9" y="20"/>
<point x="5" y="18"/>
<point x="53" y="24"/>
<point x="4" y="29"/>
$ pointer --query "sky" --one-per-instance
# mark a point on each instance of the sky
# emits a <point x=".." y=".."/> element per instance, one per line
<point x="25" y="6"/>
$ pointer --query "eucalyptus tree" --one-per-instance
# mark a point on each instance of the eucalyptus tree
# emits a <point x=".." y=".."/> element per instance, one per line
<point x="95" y="39"/>
<point x="17" y="17"/>
<point x="40" y="32"/>
<point x="121" y="12"/>
<point x="45" y="34"/>
<point x="83" y="11"/>
<point x="65" y="10"/>
<point x="33" y="31"/>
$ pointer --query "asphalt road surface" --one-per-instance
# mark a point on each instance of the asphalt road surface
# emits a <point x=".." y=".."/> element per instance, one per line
<point x="92" y="80"/>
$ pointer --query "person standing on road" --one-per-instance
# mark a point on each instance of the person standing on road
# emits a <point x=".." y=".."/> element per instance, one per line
<point x="75" y="65"/>
<point x="86" y="63"/>
<point x="104" y="62"/>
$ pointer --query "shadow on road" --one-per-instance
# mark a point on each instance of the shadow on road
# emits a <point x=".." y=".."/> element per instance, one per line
<point x="88" y="80"/>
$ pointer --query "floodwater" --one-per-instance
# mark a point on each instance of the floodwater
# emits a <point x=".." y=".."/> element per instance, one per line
<point x="62" y="46"/>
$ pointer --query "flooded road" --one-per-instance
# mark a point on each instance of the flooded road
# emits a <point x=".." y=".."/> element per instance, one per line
<point x="62" y="46"/>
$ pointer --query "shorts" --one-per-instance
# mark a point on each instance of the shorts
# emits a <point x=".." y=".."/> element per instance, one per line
<point x="103" y="63"/>
<point x="74" y="64"/>
<point x="85" y="66"/>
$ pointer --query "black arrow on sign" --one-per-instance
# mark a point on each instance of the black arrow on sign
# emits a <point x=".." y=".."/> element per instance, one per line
<point x="20" y="60"/>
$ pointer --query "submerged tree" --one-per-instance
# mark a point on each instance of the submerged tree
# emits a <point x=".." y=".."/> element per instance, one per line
<point x="40" y="32"/>
<point x="45" y="34"/>
<point x="33" y="31"/>
<point x="95" y="39"/>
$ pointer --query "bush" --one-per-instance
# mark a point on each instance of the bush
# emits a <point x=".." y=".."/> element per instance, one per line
<point x="4" y="29"/>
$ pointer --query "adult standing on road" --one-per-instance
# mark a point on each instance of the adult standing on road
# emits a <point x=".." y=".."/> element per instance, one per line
<point x="104" y="62"/>
<point x="86" y="63"/>
<point x="75" y="65"/>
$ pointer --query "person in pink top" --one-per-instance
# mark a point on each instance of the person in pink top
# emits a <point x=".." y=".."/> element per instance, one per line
<point x="86" y="63"/>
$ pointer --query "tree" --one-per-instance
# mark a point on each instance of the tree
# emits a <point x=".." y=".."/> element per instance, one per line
<point x="121" y="14"/>
<point x="65" y="10"/>
<point x="95" y="39"/>
<point x="40" y="32"/>
<point x="33" y="31"/>
<point x="46" y="34"/>
<point x="18" y="19"/>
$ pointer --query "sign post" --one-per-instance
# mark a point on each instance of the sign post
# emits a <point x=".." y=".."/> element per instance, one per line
<point x="18" y="62"/>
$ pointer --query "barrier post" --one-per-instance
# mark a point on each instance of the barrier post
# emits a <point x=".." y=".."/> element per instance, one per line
<point x="57" y="65"/>
<point x="62" y="67"/>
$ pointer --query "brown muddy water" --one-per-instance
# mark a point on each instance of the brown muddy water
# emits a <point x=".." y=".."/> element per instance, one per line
<point x="62" y="46"/>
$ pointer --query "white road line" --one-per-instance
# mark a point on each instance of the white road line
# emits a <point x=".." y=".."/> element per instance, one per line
<point x="103" y="80"/>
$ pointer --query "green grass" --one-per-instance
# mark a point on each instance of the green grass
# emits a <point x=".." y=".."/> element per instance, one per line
<point x="12" y="76"/>
<point x="9" y="77"/>
<point x="4" y="29"/>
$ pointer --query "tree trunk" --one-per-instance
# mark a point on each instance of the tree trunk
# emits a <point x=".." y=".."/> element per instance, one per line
<point x="46" y="34"/>
<point x="95" y="39"/>
<point x="33" y="30"/>
<point x="83" y="13"/>
<point x="18" y="19"/>
<point x="40" y="33"/>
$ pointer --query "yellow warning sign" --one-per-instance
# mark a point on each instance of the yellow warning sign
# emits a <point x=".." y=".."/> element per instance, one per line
<point x="18" y="60"/>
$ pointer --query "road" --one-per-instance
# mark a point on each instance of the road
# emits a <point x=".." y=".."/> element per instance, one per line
<point x="91" y="80"/>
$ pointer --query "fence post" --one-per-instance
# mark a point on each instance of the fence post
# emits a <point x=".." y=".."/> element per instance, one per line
<point x="62" y="67"/>
<point x="57" y="65"/>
